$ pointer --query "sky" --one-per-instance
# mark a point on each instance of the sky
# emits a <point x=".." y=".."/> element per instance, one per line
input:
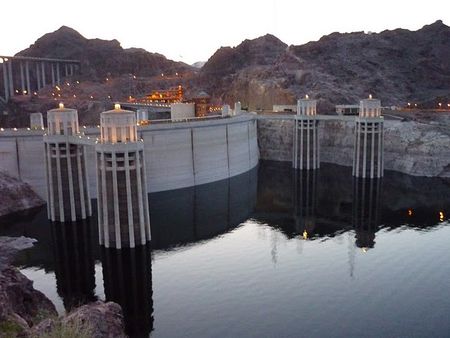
<point x="192" y="30"/>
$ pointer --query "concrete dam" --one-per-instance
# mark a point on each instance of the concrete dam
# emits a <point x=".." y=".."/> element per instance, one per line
<point x="177" y="155"/>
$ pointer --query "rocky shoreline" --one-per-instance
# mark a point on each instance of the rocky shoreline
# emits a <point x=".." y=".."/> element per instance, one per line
<point x="27" y="312"/>
<point x="16" y="195"/>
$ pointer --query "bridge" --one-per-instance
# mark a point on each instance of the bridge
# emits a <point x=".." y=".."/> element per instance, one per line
<point x="24" y="75"/>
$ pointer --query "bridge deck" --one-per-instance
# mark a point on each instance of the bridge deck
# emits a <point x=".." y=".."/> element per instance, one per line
<point x="32" y="58"/>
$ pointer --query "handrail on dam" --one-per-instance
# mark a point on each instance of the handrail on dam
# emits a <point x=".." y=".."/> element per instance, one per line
<point x="187" y="119"/>
<point x="320" y="117"/>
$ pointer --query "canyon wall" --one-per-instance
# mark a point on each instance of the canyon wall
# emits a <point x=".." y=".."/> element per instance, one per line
<point x="410" y="147"/>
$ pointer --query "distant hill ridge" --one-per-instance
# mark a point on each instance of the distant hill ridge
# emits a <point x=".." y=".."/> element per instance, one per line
<point x="100" y="58"/>
<point x="396" y="66"/>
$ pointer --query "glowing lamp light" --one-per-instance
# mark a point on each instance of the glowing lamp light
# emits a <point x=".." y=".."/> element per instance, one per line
<point x="410" y="212"/>
<point x="117" y="106"/>
<point x="440" y="104"/>
<point x="6" y="59"/>
<point x="1" y="60"/>
<point x="370" y="96"/>
<point x="441" y="216"/>
<point x="61" y="105"/>
<point x="307" y="96"/>
<point x="305" y="234"/>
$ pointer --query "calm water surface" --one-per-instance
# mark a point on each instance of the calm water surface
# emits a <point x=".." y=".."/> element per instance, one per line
<point x="271" y="253"/>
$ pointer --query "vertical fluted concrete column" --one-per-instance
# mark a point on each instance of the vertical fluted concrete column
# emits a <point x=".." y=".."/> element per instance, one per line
<point x="366" y="210"/>
<point x="11" y="80"/>
<point x="22" y="79"/>
<point x="5" y="79"/>
<point x="368" y="151"/>
<point x="27" y="77"/>
<point x="123" y="215"/>
<point x="67" y="183"/>
<point x="71" y="70"/>
<point x="306" y="136"/>
<point x="66" y="71"/>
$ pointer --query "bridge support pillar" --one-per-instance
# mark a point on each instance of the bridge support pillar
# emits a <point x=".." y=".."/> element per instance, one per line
<point x="53" y="74"/>
<point x="123" y="212"/>
<point x="44" y="83"/>
<point x="368" y="152"/>
<point x="22" y="79"/>
<point x="38" y="77"/>
<point x="11" y="80"/>
<point x="5" y="80"/>
<point x="67" y="183"/>
<point x="306" y="136"/>
<point x="58" y="75"/>
<point x="27" y="77"/>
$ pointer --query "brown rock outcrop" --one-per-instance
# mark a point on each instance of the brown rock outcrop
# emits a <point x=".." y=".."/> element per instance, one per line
<point x="16" y="195"/>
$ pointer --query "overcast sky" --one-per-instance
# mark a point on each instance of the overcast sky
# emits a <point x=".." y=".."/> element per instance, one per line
<point x="192" y="30"/>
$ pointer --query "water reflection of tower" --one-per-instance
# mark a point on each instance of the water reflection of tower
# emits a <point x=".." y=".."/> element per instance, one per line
<point x="366" y="210"/>
<point x="74" y="262"/>
<point x="127" y="276"/>
<point x="305" y="201"/>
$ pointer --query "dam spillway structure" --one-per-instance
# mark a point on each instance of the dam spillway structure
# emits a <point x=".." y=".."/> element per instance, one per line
<point x="306" y="136"/>
<point x="67" y="187"/>
<point x="368" y="151"/>
<point x="123" y="212"/>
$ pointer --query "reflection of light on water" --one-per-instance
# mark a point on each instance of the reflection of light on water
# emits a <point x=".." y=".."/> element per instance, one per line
<point x="364" y="249"/>
<point x="441" y="216"/>
<point x="410" y="212"/>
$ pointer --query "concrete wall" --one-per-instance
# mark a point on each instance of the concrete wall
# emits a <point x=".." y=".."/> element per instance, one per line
<point x="177" y="155"/>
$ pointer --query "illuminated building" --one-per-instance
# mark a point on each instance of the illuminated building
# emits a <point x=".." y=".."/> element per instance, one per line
<point x="123" y="216"/>
<point x="171" y="95"/>
<point x="306" y="136"/>
<point x="368" y="155"/>
<point x="67" y="186"/>
<point x="202" y="104"/>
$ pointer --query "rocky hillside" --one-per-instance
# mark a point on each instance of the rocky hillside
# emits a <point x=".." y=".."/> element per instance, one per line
<point x="101" y="58"/>
<point x="397" y="66"/>
<point x="16" y="195"/>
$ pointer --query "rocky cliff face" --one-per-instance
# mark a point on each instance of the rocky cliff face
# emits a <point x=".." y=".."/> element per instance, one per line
<point x="411" y="147"/>
<point x="396" y="66"/>
<point x="16" y="195"/>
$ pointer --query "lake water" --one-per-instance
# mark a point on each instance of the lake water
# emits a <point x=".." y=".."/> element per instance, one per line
<point x="271" y="253"/>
